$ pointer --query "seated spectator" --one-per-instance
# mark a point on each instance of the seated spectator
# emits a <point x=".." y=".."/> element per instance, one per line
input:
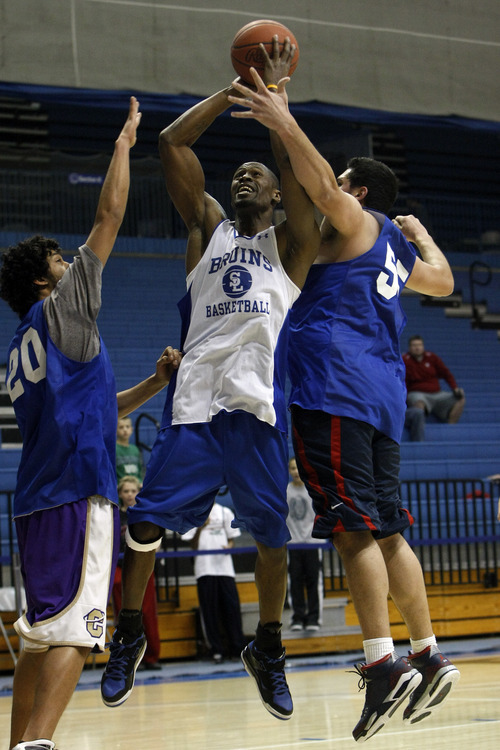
<point x="424" y="370"/>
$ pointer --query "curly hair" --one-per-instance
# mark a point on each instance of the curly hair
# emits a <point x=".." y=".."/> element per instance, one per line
<point x="22" y="264"/>
<point x="380" y="180"/>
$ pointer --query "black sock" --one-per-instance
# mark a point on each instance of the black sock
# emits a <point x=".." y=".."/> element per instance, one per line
<point x="130" y="622"/>
<point x="268" y="639"/>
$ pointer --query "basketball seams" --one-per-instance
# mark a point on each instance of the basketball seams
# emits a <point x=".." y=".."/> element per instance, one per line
<point x="245" y="50"/>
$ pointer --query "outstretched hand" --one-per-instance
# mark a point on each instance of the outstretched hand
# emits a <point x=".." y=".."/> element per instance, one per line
<point x="269" y="108"/>
<point x="129" y="130"/>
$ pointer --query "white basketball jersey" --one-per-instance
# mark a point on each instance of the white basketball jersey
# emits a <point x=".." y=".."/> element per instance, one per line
<point x="234" y="350"/>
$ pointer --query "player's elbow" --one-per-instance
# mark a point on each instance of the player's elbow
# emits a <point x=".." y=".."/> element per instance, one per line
<point x="174" y="135"/>
<point x="111" y="216"/>
<point x="167" y="140"/>
<point x="444" y="286"/>
<point x="325" y="196"/>
<point x="163" y="140"/>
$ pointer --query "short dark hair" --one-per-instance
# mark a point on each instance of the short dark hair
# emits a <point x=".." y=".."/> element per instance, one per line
<point x="22" y="265"/>
<point x="415" y="337"/>
<point x="378" y="178"/>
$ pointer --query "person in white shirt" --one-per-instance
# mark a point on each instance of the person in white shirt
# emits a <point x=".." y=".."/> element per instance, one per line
<point x="215" y="580"/>
<point x="305" y="580"/>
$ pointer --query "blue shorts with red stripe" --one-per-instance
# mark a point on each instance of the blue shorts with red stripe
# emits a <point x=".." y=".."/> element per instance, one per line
<point x="351" y="471"/>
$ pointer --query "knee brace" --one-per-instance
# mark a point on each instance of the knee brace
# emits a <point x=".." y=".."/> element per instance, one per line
<point x="141" y="546"/>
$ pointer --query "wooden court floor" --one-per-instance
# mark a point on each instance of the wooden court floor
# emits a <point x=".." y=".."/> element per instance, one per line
<point x="225" y="713"/>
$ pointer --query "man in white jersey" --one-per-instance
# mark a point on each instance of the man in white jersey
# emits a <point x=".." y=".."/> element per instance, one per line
<point x="63" y="390"/>
<point x="225" y="417"/>
<point x="348" y="404"/>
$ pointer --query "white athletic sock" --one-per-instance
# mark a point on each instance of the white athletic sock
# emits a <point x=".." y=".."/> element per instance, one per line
<point x="418" y="646"/>
<point x="376" y="648"/>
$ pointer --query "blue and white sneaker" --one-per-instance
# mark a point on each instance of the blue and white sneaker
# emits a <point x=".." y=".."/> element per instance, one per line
<point x="125" y="655"/>
<point x="269" y="675"/>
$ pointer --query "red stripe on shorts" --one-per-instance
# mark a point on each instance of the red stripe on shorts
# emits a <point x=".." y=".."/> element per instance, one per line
<point x="312" y="477"/>
<point x="336" y="460"/>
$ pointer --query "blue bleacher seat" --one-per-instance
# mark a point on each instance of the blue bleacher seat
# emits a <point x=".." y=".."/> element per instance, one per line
<point x="470" y="448"/>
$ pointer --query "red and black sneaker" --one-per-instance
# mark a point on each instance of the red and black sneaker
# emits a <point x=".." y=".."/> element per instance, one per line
<point x="388" y="682"/>
<point x="439" y="676"/>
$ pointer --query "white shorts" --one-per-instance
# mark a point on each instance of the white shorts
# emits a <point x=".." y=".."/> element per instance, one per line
<point x="81" y="621"/>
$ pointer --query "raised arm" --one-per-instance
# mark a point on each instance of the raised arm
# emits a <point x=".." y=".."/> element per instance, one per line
<point x="184" y="175"/>
<point x="114" y="192"/>
<point x="432" y="273"/>
<point x="298" y="238"/>
<point x="313" y="172"/>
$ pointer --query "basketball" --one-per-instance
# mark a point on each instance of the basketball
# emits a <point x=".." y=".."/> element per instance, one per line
<point x="245" y="50"/>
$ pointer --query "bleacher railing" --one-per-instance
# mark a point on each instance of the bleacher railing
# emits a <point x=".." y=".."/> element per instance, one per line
<point x="456" y="537"/>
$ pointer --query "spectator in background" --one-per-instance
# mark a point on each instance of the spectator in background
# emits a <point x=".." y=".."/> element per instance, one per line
<point x="304" y="565"/>
<point x="128" y="487"/>
<point x="128" y="456"/>
<point x="215" y="580"/>
<point x="424" y="395"/>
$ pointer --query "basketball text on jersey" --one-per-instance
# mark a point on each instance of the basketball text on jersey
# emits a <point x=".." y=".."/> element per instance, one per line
<point x="237" y="281"/>
<point x="238" y="306"/>
<point x="240" y="254"/>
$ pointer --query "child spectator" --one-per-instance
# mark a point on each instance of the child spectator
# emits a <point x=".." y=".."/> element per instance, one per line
<point x="128" y="487"/>
<point x="128" y="456"/>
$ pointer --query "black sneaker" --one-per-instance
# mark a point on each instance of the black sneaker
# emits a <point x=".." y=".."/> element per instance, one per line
<point x="439" y="676"/>
<point x="269" y="674"/>
<point x="125" y="655"/>
<point x="388" y="683"/>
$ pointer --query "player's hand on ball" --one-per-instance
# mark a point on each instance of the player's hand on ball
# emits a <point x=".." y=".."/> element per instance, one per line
<point x="277" y="66"/>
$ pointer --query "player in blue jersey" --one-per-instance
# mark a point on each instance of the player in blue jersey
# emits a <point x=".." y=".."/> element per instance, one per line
<point x="225" y="418"/>
<point x="62" y="387"/>
<point x="348" y="405"/>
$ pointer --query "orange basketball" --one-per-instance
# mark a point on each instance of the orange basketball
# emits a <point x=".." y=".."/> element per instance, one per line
<point x="245" y="50"/>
